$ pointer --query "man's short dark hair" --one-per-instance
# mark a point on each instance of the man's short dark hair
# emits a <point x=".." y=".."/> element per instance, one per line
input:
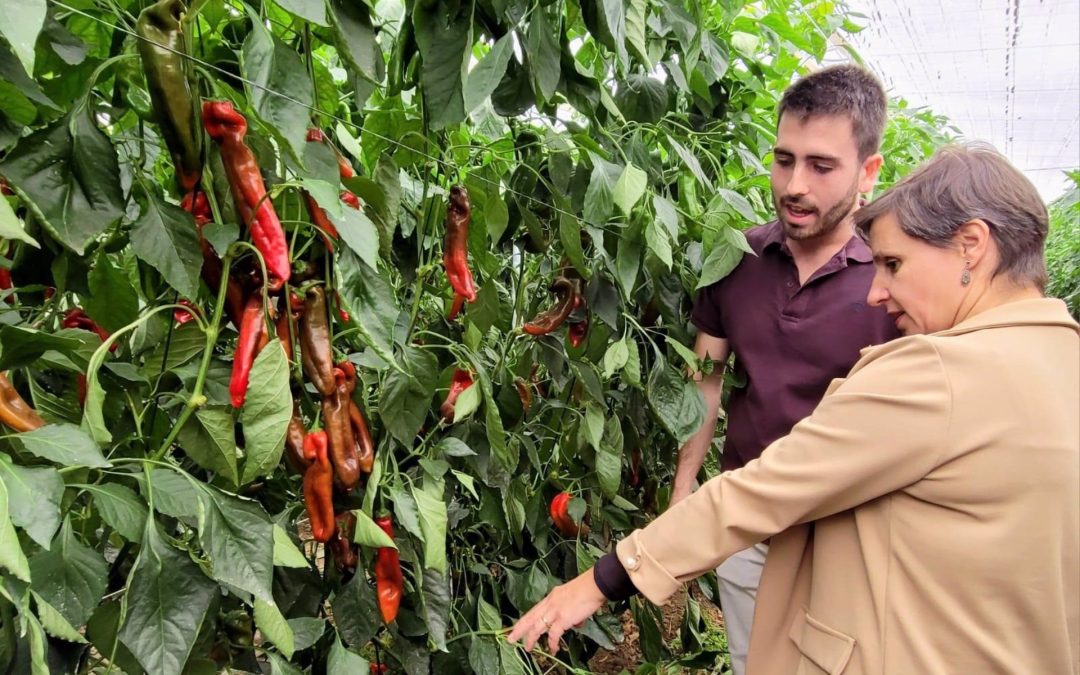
<point x="847" y="90"/>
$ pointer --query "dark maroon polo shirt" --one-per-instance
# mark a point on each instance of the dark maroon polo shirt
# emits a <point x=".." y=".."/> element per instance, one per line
<point x="789" y="340"/>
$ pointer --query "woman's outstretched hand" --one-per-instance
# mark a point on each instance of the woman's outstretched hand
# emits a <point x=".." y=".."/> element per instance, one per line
<point x="565" y="607"/>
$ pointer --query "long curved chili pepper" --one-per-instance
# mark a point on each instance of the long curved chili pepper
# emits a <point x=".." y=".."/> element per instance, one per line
<point x="295" y="434"/>
<point x="456" y="244"/>
<point x="566" y="299"/>
<point x="524" y="392"/>
<point x="319" y="487"/>
<point x="345" y="554"/>
<point x="77" y="318"/>
<point x="365" y="448"/>
<point x="316" y="353"/>
<point x="459" y="382"/>
<point x="389" y="582"/>
<point x="227" y="127"/>
<point x="339" y="429"/>
<point x="560" y="515"/>
<point x="14" y="411"/>
<point x="163" y="54"/>
<point x="252" y="339"/>
<point x="455" y="307"/>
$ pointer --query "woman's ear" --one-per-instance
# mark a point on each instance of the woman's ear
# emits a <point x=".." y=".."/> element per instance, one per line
<point x="974" y="240"/>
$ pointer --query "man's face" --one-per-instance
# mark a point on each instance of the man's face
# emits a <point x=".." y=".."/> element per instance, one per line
<point x="816" y="174"/>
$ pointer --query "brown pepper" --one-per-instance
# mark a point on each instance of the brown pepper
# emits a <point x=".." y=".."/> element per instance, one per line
<point x="340" y="433"/>
<point x="316" y="353"/>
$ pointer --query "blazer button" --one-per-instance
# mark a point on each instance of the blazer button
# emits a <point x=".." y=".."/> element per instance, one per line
<point x="631" y="563"/>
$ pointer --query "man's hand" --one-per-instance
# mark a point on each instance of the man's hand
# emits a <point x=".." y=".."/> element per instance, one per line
<point x="565" y="607"/>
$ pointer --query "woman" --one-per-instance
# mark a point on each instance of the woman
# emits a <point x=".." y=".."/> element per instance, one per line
<point x="926" y="517"/>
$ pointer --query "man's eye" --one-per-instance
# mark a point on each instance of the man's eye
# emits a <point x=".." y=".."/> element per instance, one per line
<point x="782" y="161"/>
<point x="822" y="168"/>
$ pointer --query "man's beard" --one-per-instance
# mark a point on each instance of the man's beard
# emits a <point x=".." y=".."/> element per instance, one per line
<point x="825" y="224"/>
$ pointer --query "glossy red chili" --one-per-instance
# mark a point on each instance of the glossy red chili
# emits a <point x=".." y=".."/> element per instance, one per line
<point x="389" y="582"/>
<point x="252" y="338"/>
<point x="319" y="487"/>
<point x="459" y="382"/>
<point x="456" y="244"/>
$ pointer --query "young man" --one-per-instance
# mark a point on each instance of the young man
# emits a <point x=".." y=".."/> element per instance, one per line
<point x="795" y="315"/>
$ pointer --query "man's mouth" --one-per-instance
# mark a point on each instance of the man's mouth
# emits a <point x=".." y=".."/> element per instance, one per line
<point x="796" y="211"/>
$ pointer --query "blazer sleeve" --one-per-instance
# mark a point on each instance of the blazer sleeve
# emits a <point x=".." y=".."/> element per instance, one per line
<point x="880" y="430"/>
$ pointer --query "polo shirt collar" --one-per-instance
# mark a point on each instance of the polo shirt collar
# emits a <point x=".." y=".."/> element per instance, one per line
<point x="855" y="249"/>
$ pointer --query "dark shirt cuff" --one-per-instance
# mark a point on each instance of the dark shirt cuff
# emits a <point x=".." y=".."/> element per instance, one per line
<point x="612" y="579"/>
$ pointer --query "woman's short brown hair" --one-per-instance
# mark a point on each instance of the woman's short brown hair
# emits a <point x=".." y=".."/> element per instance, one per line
<point x="966" y="182"/>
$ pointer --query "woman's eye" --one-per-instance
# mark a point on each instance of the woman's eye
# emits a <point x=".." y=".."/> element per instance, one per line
<point x="892" y="265"/>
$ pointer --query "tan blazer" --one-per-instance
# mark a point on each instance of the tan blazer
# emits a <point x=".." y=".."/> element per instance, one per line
<point x="924" y="519"/>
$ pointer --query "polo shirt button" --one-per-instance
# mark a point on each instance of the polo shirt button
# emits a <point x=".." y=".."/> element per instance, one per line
<point x="790" y="284"/>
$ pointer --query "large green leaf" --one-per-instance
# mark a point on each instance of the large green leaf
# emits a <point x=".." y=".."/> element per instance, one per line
<point x="64" y="444"/>
<point x="629" y="188"/>
<point x="274" y="627"/>
<point x="273" y="67"/>
<point x="70" y="177"/>
<point x="636" y="16"/>
<point x="113" y="302"/>
<point x="34" y="495"/>
<point x="355" y="611"/>
<point x="20" y="23"/>
<point x="121" y="508"/>
<point x="168" y="596"/>
<point x="164" y="237"/>
<point x="102" y="632"/>
<point x="54" y="622"/>
<point x="544" y="57"/>
<point x="356" y="39"/>
<point x="267" y="410"/>
<point x="239" y="537"/>
<point x="642" y="98"/>
<point x="723" y="258"/>
<point x="433" y="518"/>
<point x="308" y="10"/>
<point x="599" y="196"/>
<point x="676" y="401"/>
<point x="11" y="227"/>
<point x="343" y="662"/>
<point x="444" y="36"/>
<point x="174" y="495"/>
<point x="437" y="598"/>
<point x="406" y="397"/>
<point x="369" y="299"/>
<point x="11" y="554"/>
<point x="71" y="576"/>
<point x="21" y="345"/>
<point x="358" y="233"/>
<point x="367" y="533"/>
<point x="208" y="439"/>
<point x="609" y="458"/>
<point x="485" y="77"/>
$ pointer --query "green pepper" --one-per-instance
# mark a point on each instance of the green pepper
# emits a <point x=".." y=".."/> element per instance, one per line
<point x="162" y="48"/>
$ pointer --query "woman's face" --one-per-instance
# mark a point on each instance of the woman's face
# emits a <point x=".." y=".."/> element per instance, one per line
<point x="917" y="283"/>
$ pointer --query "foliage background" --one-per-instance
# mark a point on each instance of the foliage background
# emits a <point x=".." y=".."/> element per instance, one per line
<point x="157" y="528"/>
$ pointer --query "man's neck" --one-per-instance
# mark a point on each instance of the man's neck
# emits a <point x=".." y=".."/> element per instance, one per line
<point x="811" y="254"/>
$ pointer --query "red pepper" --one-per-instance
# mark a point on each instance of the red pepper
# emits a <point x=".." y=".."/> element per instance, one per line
<point x="319" y="487"/>
<point x="365" y="447"/>
<point x="227" y="127"/>
<point x="345" y="554"/>
<point x="294" y="442"/>
<point x="252" y="338"/>
<point x="343" y="447"/>
<point x="635" y="467"/>
<point x="342" y="314"/>
<point x="456" y="244"/>
<point x="568" y="296"/>
<point x="524" y="392"/>
<point x="560" y="515"/>
<point x="77" y="318"/>
<point x="579" y="332"/>
<point x="378" y="668"/>
<point x="5" y="284"/>
<point x="182" y="316"/>
<point x="389" y="582"/>
<point x="455" y="307"/>
<point x="459" y="382"/>
<point x="350" y="199"/>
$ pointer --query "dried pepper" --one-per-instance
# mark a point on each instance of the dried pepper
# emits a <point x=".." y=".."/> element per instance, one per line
<point x="295" y="434"/>
<point x="456" y="244"/>
<point x="389" y="582"/>
<point x="252" y="339"/>
<point x="14" y="411"/>
<point x="163" y="53"/>
<point x="345" y="553"/>
<point x="459" y="382"/>
<point x="339" y="428"/>
<point x="316" y="354"/>
<point x="560" y="515"/>
<point x="319" y="487"/>
<point x="567" y="293"/>
<point x="228" y="127"/>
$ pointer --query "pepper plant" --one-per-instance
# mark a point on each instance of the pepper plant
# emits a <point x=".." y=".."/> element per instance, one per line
<point x="337" y="333"/>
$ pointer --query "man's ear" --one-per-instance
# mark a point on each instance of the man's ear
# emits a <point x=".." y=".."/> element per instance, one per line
<point x="974" y="240"/>
<point x="868" y="173"/>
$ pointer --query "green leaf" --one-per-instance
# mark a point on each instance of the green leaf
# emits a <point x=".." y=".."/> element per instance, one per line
<point x="642" y="98"/>
<point x="739" y="203"/>
<point x="164" y="237"/>
<point x="64" y="444"/>
<point x="355" y="611"/>
<point x="308" y="10"/>
<point x="273" y="67"/>
<point x="745" y="43"/>
<point x="11" y="554"/>
<point x="615" y="357"/>
<point x="113" y="302"/>
<point x="542" y="46"/>
<point x="433" y="519"/>
<point x="306" y="631"/>
<point x="359" y="234"/>
<point x="487" y="617"/>
<point x="71" y="577"/>
<point x="570" y="236"/>
<point x="485" y="77"/>
<point x="11" y="227"/>
<point x="271" y="622"/>
<point x="484" y="655"/>
<point x="209" y="440"/>
<point x="723" y="258"/>
<point x="688" y="356"/>
<point x="174" y="495"/>
<point x="266" y="412"/>
<point x="691" y="162"/>
<point x="188" y="341"/>
<point x="370" y="301"/>
<point x="613" y="18"/>
<point x="627" y="264"/>
<point x="54" y="622"/>
<point x="69" y="176"/>
<point x="285" y="552"/>
<point x="676" y="401"/>
<point x="467" y="403"/>
<point x="454" y="447"/>
<point x="667" y="215"/>
<point x="221" y="235"/>
<point x="38" y="644"/>
<point x="444" y="37"/>
<point x="636" y="16"/>
<point x="34" y="495"/>
<point x="20" y="346"/>
<point x="406" y="398"/>
<point x="279" y="666"/>
<point x="167" y="597"/>
<point x="406" y="512"/>
<point x="656" y="238"/>
<point x="102" y="630"/>
<point x="20" y="23"/>
<point x="629" y="188"/>
<point x="437" y="598"/>
<point x="594" y="424"/>
<point x="239" y="537"/>
<point x="343" y="662"/>
<point x="369" y="534"/>
<point x="121" y="508"/>
<point x="599" y="195"/>
<point x="633" y="363"/>
<point x="356" y="41"/>
<point x="609" y="458"/>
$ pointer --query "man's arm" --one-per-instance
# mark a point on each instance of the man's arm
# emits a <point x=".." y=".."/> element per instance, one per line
<point x="692" y="454"/>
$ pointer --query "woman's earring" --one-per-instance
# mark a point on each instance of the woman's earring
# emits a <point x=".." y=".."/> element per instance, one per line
<point x="965" y="278"/>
